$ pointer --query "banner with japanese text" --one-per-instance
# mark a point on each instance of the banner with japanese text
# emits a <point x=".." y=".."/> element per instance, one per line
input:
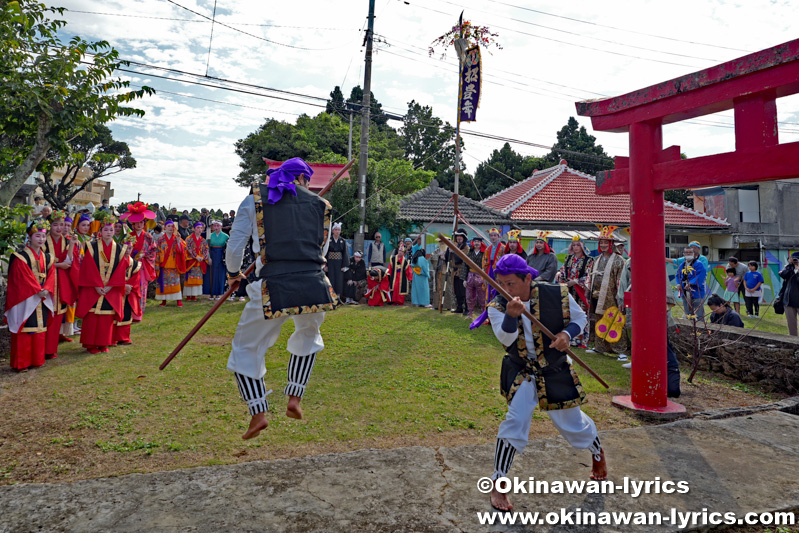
<point x="470" y="85"/>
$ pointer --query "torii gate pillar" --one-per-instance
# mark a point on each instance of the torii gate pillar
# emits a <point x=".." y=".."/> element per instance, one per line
<point x="750" y="85"/>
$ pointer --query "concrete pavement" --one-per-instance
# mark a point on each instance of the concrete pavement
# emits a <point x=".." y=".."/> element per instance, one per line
<point x="733" y="461"/>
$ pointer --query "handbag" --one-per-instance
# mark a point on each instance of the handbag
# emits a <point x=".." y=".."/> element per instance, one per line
<point x="778" y="305"/>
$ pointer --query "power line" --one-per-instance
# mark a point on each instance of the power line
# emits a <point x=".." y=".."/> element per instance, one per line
<point x="647" y="34"/>
<point x="191" y="82"/>
<point x="577" y="34"/>
<point x="128" y="15"/>
<point x="570" y="44"/>
<point x="193" y="97"/>
<point x="253" y="35"/>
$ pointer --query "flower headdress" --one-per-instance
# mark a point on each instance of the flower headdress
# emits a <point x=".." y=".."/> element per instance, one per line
<point x="606" y="232"/>
<point x="514" y="235"/>
<point x="40" y="225"/>
<point x="137" y="212"/>
<point x="105" y="218"/>
<point x="542" y="235"/>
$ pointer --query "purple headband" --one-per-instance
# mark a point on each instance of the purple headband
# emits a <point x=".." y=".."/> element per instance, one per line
<point x="86" y="218"/>
<point x="514" y="264"/>
<point x="168" y="222"/>
<point x="281" y="179"/>
<point x="67" y="219"/>
<point x="198" y="224"/>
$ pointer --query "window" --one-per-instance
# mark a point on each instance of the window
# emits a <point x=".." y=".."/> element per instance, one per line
<point x="675" y="244"/>
<point x="749" y="205"/>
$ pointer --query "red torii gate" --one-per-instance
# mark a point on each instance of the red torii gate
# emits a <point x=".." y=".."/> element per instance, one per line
<point x="750" y="85"/>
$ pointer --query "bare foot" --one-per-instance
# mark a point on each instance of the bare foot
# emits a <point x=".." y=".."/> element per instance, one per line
<point x="599" y="469"/>
<point x="293" y="408"/>
<point x="258" y="423"/>
<point x="500" y="501"/>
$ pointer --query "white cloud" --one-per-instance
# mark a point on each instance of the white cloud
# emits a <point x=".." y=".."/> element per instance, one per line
<point x="185" y="146"/>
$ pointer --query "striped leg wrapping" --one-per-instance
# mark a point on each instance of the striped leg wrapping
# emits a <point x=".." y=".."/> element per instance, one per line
<point x="299" y="372"/>
<point x="503" y="458"/>
<point x="253" y="392"/>
<point x="596" y="449"/>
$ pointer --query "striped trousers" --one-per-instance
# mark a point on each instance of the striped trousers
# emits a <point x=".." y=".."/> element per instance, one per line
<point x="253" y="391"/>
<point x="575" y="426"/>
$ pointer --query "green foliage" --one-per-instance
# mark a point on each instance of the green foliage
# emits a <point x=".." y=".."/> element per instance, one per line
<point x="96" y="150"/>
<point x="376" y="115"/>
<point x="387" y="181"/>
<point x="336" y="103"/>
<point x="52" y="91"/>
<point x="319" y="139"/>
<point x="12" y="229"/>
<point x="429" y="141"/>
<point x="503" y="169"/>
<point x="575" y="140"/>
<point x="680" y="196"/>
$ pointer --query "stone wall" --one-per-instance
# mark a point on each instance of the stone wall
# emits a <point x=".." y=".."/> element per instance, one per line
<point x="769" y="359"/>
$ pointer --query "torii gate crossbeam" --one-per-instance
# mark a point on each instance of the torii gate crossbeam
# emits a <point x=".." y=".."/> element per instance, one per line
<point x="749" y="85"/>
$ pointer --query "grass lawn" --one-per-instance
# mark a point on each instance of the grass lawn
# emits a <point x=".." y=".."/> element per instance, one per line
<point x="388" y="377"/>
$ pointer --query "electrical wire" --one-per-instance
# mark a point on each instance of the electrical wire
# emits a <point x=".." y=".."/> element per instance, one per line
<point x="577" y="34"/>
<point x="128" y="15"/>
<point x="647" y="34"/>
<point x="253" y="35"/>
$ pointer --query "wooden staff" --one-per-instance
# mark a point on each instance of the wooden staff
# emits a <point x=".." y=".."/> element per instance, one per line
<point x="230" y="290"/>
<point x="502" y="292"/>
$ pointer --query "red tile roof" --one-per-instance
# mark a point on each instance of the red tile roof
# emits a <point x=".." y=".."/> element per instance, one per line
<point x="322" y="173"/>
<point x="562" y="194"/>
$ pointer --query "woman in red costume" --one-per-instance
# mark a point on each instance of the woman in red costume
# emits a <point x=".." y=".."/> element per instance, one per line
<point x="29" y="300"/>
<point x="58" y="248"/>
<point x="144" y="251"/>
<point x="132" y="296"/>
<point x="102" y="288"/>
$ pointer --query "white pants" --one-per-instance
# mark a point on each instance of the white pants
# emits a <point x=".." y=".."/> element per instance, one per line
<point x="576" y="427"/>
<point x="255" y="335"/>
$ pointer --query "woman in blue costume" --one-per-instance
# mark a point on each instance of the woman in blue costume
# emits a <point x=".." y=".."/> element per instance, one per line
<point x="215" y="278"/>
<point x="420" y="288"/>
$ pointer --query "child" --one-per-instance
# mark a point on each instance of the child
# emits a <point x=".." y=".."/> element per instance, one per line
<point x="731" y="287"/>
<point x="753" y="282"/>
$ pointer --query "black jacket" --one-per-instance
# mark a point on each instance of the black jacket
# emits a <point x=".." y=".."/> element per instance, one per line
<point x="791" y="283"/>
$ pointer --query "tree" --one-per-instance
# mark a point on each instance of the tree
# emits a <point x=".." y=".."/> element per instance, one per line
<point x="680" y="196"/>
<point x="574" y="140"/>
<point x="429" y="141"/>
<point x="503" y="169"/>
<point x="376" y="115"/>
<point x="52" y="92"/>
<point x="336" y="103"/>
<point x="97" y="150"/>
<point x="319" y="139"/>
<point x="387" y="181"/>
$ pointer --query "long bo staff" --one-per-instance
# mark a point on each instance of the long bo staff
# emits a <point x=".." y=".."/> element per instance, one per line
<point x="543" y="329"/>
<point x="224" y="297"/>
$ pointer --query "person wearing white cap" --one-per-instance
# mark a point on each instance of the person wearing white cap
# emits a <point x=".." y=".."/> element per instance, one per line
<point x="355" y="279"/>
<point x="338" y="258"/>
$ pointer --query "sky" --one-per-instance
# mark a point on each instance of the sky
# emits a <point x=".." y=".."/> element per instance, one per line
<point x="553" y="54"/>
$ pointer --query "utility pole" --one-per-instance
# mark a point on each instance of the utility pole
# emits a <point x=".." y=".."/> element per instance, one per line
<point x="367" y="104"/>
<point x="349" y="141"/>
